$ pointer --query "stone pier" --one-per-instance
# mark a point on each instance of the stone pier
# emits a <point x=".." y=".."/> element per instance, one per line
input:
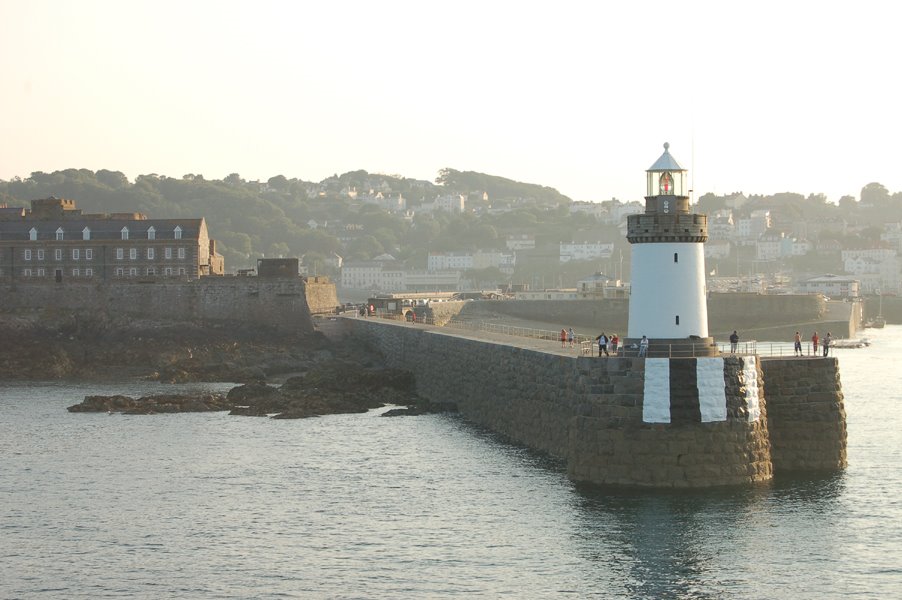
<point x="657" y="422"/>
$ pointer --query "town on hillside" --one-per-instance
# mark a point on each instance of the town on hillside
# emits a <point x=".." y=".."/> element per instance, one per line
<point x="374" y="233"/>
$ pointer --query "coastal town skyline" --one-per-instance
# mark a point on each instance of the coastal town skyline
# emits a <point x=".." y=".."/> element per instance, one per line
<point x="785" y="98"/>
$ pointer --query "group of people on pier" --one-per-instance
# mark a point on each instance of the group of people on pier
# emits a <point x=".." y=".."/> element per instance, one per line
<point x="608" y="345"/>
<point x="826" y="343"/>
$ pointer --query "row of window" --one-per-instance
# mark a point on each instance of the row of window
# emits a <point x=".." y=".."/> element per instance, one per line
<point x="151" y="253"/>
<point x="120" y="272"/>
<point x="86" y="233"/>
<point x="27" y="253"/>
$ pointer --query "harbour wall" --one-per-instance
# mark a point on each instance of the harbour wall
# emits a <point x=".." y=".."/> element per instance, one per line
<point x="755" y="316"/>
<point x="271" y="303"/>
<point x="611" y="419"/>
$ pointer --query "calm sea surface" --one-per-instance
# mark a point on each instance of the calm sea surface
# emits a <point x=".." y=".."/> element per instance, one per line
<point x="357" y="506"/>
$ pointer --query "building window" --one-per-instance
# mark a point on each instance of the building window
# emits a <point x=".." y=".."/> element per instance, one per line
<point x="678" y="319"/>
<point x="151" y="233"/>
<point x="40" y="255"/>
<point x="120" y="253"/>
<point x="150" y="254"/>
<point x="86" y="233"/>
<point x="133" y="272"/>
<point x="676" y="257"/>
<point x="89" y="272"/>
<point x="181" y="270"/>
<point x="167" y="271"/>
<point x="168" y="252"/>
<point x="120" y="271"/>
<point x="74" y="272"/>
<point x="177" y="232"/>
<point x="58" y="254"/>
<point x="181" y="253"/>
<point x="76" y="254"/>
<point x="151" y="271"/>
<point x="124" y="233"/>
<point x="132" y="253"/>
<point x="89" y="254"/>
<point x="59" y="234"/>
<point x="27" y="254"/>
<point x="33" y="234"/>
<point x="42" y="273"/>
<point x="26" y="272"/>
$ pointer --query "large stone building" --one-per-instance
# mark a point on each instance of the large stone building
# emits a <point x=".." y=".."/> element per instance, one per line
<point x="54" y="241"/>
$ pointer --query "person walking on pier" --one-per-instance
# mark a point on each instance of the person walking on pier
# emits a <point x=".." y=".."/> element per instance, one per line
<point x="563" y="338"/>
<point x="643" y="347"/>
<point x="814" y="341"/>
<point x="615" y="340"/>
<point x="602" y="344"/>
<point x="571" y="337"/>
<point x="828" y="339"/>
<point x="797" y="348"/>
<point x="734" y="341"/>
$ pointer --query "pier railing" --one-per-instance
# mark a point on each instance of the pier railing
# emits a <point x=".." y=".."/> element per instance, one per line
<point x="587" y="345"/>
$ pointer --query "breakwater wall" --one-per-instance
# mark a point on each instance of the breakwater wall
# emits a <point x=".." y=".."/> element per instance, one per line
<point x="630" y="421"/>
<point x="755" y="316"/>
<point x="806" y="414"/>
<point x="270" y="303"/>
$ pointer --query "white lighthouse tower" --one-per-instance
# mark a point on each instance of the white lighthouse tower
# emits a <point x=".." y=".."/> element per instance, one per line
<point x="667" y="291"/>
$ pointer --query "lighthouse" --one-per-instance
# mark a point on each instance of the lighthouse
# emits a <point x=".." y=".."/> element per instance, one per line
<point x="667" y="291"/>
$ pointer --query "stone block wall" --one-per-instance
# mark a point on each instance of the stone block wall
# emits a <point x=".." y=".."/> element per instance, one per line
<point x="321" y="295"/>
<point x="590" y="411"/>
<point x="271" y="303"/>
<point x="806" y="414"/>
<point x="692" y="449"/>
<point x="442" y="312"/>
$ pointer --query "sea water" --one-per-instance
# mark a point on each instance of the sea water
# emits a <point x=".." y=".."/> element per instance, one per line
<point x="357" y="506"/>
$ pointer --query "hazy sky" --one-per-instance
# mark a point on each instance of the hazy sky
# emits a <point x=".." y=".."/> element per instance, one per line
<point x="760" y="97"/>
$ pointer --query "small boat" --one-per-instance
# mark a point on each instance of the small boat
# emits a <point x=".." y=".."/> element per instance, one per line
<point x="850" y="343"/>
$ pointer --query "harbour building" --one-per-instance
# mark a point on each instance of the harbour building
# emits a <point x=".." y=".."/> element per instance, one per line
<point x="55" y="242"/>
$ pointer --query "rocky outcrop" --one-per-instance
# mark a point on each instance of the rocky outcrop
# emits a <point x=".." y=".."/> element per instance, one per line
<point x="422" y="408"/>
<point x="333" y="388"/>
<point x="150" y="405"/>
<point x="66" y="347"/>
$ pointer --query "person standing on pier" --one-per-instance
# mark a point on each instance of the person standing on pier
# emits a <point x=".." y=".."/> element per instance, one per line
<point x="734" y="341"/>
<point x="615" y="340"/>
<point x="571" y="337"/>
<point x="563" y="338"/>
<point x="643" y="347"/>
<point x="797" y="348"/>
<point x="814" y="341"/>
<point x="602" y="344"/>
<point x="828" y="339"/>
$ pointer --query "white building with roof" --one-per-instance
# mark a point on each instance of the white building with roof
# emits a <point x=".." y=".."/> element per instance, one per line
<point x="832" y="286"/>
<point x="585" y="250"/>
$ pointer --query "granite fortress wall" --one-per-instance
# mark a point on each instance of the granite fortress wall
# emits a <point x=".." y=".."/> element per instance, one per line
<point x="648" y="422"/>
<point x="321" y="295"/>
<point x="272" y="303"/>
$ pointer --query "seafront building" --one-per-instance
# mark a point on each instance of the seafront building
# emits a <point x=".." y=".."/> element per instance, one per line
<point x="54" y="241"/>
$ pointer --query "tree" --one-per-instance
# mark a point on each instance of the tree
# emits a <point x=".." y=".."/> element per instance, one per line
<point x="875" y="194"/>
<point x="114" y="179"/>
<point x="279" y="182"/>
